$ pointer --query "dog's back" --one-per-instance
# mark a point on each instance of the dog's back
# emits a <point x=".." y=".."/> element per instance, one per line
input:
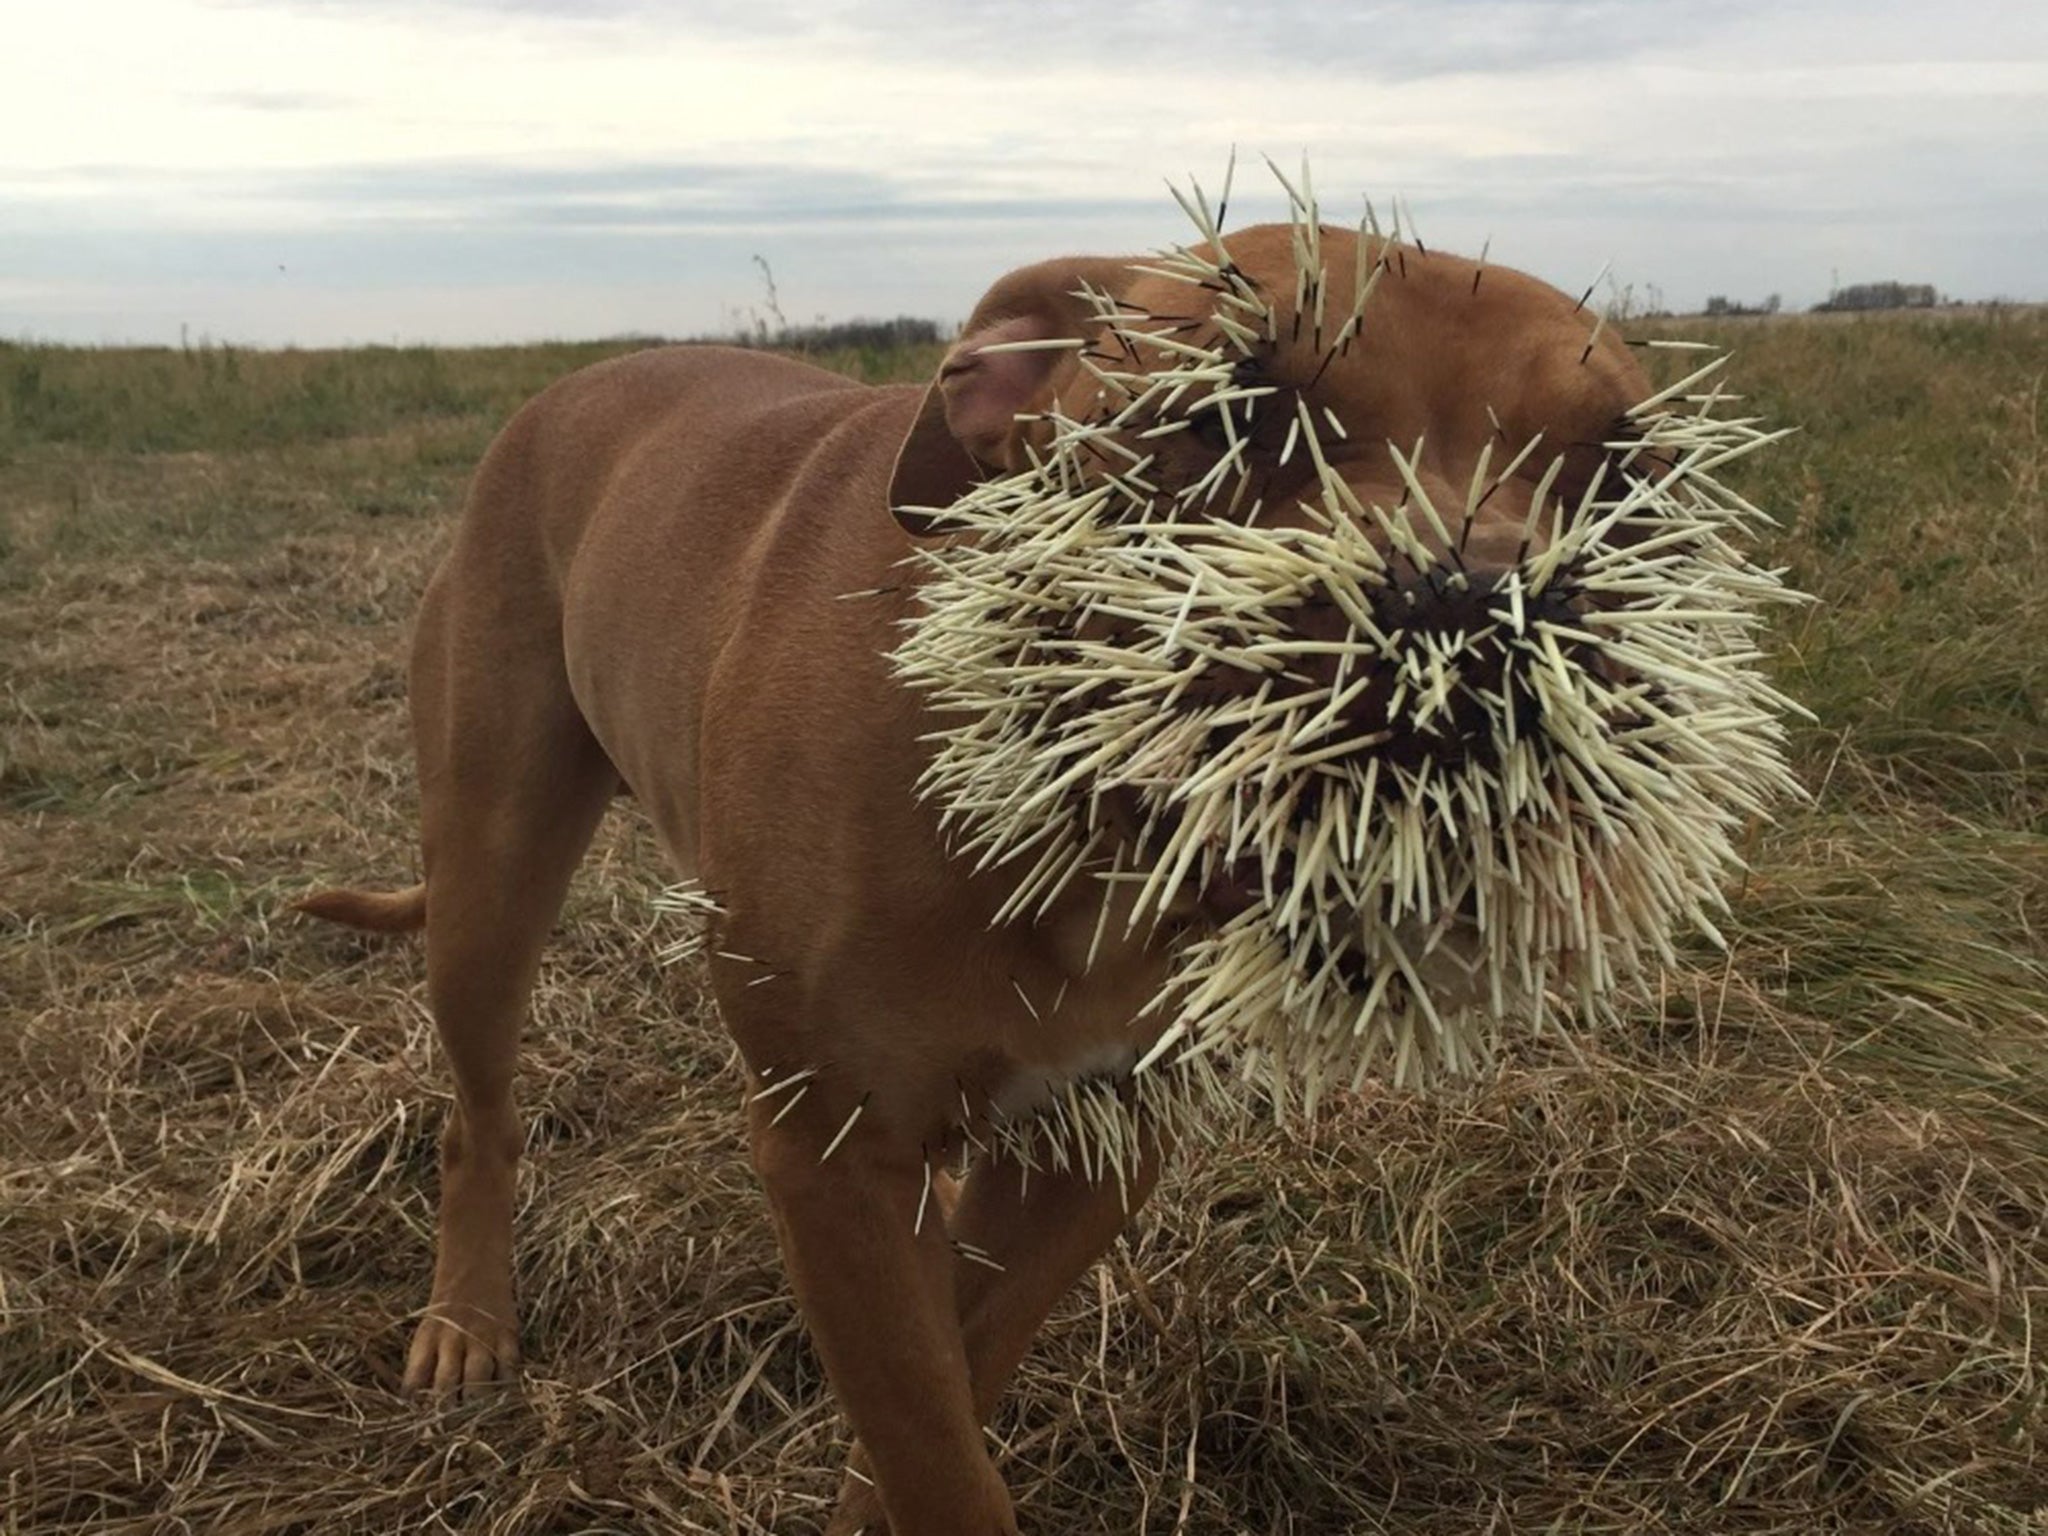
<point x="649" y="454"/>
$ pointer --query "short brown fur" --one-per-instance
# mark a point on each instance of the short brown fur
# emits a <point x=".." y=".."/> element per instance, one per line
<point x="648" y="589"/>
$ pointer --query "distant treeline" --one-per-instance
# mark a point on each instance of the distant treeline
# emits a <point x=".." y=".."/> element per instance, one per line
<point x="1720" y="304"/>
<point x="842" y="335"/>
<point x="1882" y="296"/>
<point x="906" y="331"/>
<point x="1857" y="296"/>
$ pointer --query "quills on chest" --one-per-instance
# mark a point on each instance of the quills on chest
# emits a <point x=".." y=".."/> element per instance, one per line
<point x="1104" y="1125"/>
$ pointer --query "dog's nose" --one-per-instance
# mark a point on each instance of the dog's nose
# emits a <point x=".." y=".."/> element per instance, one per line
<point x="1462" y="617"/>
<point x="1458" y="637"/>
<point x="1442" y="693"/>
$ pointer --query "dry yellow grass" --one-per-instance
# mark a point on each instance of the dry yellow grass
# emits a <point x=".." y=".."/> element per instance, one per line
<point x="1772" y="1259"/>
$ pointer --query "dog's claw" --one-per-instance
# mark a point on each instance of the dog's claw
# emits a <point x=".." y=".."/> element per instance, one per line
<point x="450" y="1360"/>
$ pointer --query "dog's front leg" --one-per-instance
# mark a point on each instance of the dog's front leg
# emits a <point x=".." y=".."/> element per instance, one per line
<point x="877" y="1293"/>
<point x="1039" y="1235"/>
<point x="1023" y="1242"/>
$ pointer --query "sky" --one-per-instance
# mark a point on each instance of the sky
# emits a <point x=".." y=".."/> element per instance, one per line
<point x="329" y="172"/>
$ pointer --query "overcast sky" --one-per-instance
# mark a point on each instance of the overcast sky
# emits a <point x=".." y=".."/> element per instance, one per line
<point x="329" y="171"/>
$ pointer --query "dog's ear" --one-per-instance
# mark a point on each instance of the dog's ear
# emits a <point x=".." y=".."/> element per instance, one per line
<point x="966" y="426"/>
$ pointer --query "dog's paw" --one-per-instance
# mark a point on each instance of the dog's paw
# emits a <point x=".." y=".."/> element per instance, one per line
<point x="862" y="1518"/>
<point x="458" y="1349"/>
<point x="859" y="1511"/>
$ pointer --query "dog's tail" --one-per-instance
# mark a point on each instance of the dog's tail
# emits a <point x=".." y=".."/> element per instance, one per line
<point x="377" y="911"/>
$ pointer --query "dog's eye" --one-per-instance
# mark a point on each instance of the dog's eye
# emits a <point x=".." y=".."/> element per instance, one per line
<point x="1208" y="421"/>
<point x="1217" y="426"/>
<point x="1609" y="468"/>
<point x="1213" y="432"/>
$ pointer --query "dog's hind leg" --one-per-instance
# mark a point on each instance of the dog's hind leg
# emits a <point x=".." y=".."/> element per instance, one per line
<point x="512" y="785"/>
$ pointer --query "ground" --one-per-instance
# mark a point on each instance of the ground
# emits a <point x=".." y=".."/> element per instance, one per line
<point x="1773" y="1257"/>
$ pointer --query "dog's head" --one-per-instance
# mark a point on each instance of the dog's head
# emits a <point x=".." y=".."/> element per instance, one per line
<point x="1363" y="609"/>
<point x="1459" y="358"/>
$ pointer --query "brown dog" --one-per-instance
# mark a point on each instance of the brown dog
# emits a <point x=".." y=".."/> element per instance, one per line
<point x="645" y="592"/>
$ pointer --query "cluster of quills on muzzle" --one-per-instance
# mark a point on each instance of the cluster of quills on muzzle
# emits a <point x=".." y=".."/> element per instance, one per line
<point x="1422" y="805"/>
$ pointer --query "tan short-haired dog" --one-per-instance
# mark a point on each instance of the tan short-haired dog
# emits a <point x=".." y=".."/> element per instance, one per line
<point x="647" y="593"/>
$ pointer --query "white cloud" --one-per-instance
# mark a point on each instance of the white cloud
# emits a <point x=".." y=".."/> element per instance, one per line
<point x="469" y="170"/>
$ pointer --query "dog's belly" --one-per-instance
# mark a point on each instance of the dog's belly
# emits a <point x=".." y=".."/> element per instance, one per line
<point x="655" y="756"/>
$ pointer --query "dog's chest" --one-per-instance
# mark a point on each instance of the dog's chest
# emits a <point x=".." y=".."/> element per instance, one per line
<point x="1030" y="1089"/>
<point x="1091" y="1104"/>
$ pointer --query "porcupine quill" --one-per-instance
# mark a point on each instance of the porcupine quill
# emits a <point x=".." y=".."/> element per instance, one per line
<point x="1412" y="906"/>
<point x="1563" y="858"/>
<point x="696" y="908"/>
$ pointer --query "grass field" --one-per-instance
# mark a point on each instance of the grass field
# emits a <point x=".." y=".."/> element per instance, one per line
<point x="1773" y="1258"/>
